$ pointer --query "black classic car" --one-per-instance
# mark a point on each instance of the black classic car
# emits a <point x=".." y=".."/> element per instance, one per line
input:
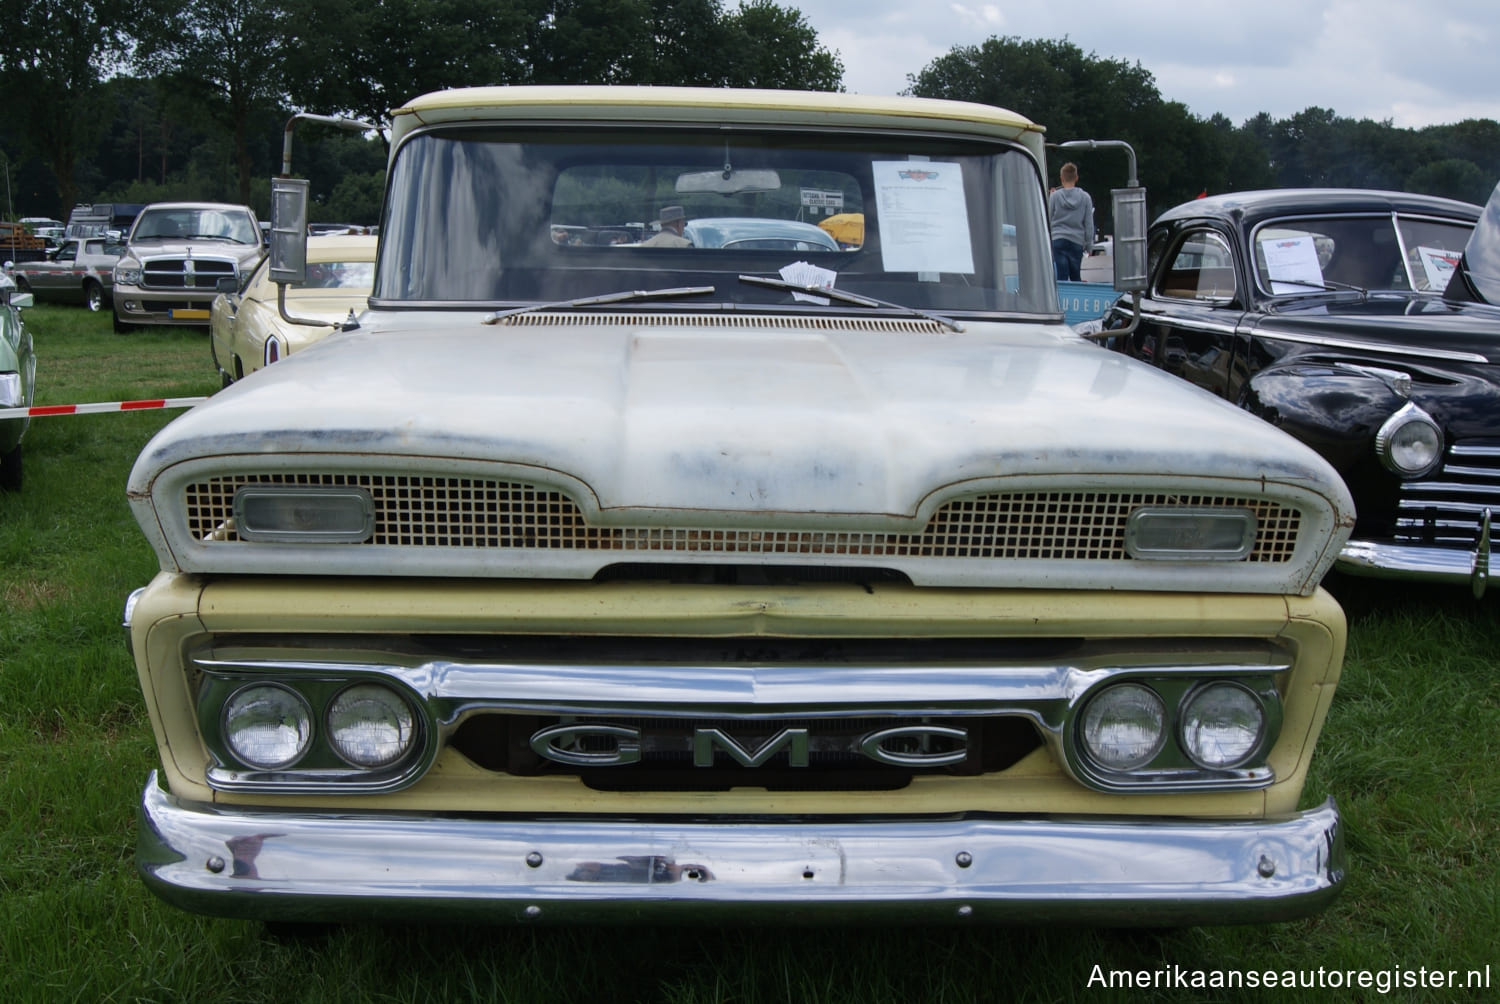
<point x="1358" y="322"/>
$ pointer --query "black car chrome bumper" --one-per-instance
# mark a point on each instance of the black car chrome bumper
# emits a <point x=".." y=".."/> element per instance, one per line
<point x="347" y="866"/>
<point x="1416" y="562"/>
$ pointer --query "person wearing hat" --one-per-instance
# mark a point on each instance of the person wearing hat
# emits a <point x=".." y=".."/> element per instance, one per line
<point x="672" y="220"/>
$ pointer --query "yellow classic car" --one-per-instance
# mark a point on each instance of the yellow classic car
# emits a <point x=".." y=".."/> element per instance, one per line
<point x="249" y="328"/>
<point x="597" y="583"/>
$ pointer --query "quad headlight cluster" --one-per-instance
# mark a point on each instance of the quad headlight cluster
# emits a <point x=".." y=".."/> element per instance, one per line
<point x="314" y="733"/>
<point x="1173" y="733"/>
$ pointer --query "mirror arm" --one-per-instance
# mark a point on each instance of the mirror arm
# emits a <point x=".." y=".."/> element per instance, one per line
<point x="281" y="309"/>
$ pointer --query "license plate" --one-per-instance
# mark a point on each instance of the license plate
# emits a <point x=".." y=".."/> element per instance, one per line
<point x="186" y="314"/>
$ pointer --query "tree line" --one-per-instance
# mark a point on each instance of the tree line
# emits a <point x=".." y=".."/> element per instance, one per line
<point x="145" y="100"/>
<point x="1180" y="155"/>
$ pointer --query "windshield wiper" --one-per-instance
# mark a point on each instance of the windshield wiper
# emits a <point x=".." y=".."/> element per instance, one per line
<point x="854" y="298"/>
<point x="592" y="301"/>
<point x="1326" y="286"/>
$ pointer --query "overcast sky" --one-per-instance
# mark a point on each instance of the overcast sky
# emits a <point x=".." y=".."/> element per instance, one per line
<point x="1412" y="63"/>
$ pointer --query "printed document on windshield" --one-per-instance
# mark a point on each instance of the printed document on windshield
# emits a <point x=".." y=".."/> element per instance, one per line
<point x="924" y="221"/>
<point x="1293" y="261"/>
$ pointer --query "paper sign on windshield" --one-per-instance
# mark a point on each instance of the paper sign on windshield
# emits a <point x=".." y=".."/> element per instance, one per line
<point x="924" y="221"/>
<point x="806" y="274"/>
<point x="1293" y="261"/>
<point x="1438" y="265"/>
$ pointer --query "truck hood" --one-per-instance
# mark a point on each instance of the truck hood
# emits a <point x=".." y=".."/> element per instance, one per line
<point x="204" y="248"/>
<point x="712" y="416"/>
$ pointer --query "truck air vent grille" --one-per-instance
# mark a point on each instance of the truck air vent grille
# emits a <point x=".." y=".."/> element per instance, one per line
<point x="810" y="322"/>
<point x="473" y="513"/>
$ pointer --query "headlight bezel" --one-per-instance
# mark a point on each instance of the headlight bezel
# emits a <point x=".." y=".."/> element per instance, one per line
<point x="320" y="768"/>
<point x="1172" y="768"/>
<point x="1390" y="449"/>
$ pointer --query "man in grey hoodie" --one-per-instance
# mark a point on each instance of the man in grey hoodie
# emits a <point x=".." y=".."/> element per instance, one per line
<point x="1072" y="214"/>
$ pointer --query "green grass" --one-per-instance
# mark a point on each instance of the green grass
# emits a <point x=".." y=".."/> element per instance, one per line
<point x="1411" y="750"/>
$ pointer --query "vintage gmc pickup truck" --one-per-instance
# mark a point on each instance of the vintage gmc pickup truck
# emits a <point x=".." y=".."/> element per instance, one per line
<point x="599" y="576"/>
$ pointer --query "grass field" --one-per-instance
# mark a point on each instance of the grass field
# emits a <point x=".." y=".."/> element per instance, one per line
<point x="1411" y="751"/>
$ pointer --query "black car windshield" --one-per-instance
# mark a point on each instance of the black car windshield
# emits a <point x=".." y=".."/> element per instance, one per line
<point x="505" y="218"/>
<point x="1372" y="252"/>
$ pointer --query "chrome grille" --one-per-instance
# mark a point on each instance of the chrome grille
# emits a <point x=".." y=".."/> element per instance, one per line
<point x="1445" y="508"/>
<point x="201" y="274"/>
<point x="413" y="511"/>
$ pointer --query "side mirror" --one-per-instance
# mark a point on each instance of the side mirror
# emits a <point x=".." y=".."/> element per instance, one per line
<point x="226" y="284"/>
<point x="289" y="230"/>
<point x="1130" y="239"/>
<point x="21" y="300"/>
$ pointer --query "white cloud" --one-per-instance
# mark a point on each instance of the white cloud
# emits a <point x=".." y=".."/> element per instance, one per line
<point x="1380" y="59"/>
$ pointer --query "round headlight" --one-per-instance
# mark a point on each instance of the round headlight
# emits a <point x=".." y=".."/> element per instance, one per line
<point x="1410" y="443"/>
<point x="1221" y="725"/>
<point x="1124" y="726"/>
<point x="370" y="725"/>
<point x="267" y="726"/>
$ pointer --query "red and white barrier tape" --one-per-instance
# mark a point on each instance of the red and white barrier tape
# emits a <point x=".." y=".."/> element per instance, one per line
<point x="99" y="408"/>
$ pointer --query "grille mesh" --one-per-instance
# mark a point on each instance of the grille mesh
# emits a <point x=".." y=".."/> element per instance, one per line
<point x="712" y="320"/>
<point x="472" y="513"/>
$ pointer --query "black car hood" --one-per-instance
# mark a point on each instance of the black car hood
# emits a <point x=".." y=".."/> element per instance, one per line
<point x="1409" y="325"/>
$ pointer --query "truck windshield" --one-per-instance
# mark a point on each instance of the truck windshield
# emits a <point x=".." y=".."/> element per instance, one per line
<point x="504" y="218"/>
<point x="196" y="224"/>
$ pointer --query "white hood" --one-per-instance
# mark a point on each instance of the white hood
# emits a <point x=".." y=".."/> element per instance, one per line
<point x="747" y="419"/>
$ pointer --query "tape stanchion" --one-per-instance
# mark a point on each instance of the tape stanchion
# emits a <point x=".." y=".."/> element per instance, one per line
<point x="101" y="407"/>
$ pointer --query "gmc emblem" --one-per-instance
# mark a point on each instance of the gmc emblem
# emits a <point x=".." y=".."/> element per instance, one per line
<point x="602" y="745"/>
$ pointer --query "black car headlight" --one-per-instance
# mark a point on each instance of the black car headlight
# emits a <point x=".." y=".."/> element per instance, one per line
<point x="1409" y="443"/>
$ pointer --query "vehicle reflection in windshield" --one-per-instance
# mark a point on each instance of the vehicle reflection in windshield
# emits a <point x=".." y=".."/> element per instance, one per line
<point x="563" y="216"/>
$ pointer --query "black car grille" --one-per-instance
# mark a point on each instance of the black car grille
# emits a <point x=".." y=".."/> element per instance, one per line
<point x="186" y="273"/>
<point x="1445" y="508"/>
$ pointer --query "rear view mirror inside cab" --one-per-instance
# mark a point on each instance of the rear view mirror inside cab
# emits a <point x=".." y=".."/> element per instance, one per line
<point x="728" y="182"/>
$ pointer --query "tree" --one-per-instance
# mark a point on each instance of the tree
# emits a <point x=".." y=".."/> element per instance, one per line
<point x="1081" y="96"/>
<point x="771" y="46"/>
<point x="54" y="53"/>
<point x="1454" y="178"/>
<point x="228" y="56"/>
<point x="365" y="57"/>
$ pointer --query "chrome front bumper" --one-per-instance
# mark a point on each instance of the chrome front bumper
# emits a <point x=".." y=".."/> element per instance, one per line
<point x="330" y="866"/>
<point x="1413" y="562"/>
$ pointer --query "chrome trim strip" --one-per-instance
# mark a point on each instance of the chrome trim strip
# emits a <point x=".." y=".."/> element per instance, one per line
<point x="753" y="690"/>
<point x="307" y="866"/>
<point x="1416" y="352"/>
<point x="1471" y="450"/>
<point x="1166" y="317"/>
